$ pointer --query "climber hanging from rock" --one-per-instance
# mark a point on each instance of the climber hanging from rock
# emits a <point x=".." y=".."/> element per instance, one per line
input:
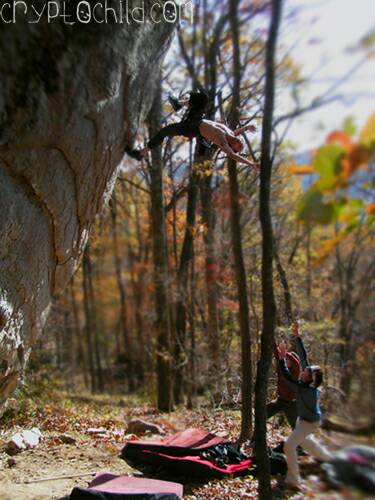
<point x="194" y="125"/>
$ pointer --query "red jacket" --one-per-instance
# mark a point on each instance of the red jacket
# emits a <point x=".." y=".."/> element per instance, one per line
<point x="285" y="390"/>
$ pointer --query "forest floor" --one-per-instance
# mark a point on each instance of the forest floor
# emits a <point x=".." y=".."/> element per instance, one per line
<point x="97" y="425"/>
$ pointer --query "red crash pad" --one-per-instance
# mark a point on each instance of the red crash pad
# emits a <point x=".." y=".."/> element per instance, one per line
<point x="184" y="453"/>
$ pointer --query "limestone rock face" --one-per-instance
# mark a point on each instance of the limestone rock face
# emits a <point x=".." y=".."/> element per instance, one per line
<point x="71" y="98"/>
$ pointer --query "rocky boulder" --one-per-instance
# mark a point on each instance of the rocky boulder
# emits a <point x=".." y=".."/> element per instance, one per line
<point x="72" y="95"/>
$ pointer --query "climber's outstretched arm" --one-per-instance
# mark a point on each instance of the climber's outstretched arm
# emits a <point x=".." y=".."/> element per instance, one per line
<point x="245" y="128"/>
<point x="236" y="157"/>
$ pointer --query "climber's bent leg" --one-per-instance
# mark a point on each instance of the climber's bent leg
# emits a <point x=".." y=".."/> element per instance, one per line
<point x="173" y="130"/>
<point x="184" y="128"/>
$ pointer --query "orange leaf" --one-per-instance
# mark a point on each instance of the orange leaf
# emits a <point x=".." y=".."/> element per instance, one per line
<point x="370" y="209"/>
<point x="327" y="247"/>
<point x="339" y="137"/>
<point x="300" y="169"/>
<point x="356" y="157"/>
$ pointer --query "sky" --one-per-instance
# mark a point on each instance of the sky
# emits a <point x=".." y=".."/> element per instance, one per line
<point x="319" y="36"/>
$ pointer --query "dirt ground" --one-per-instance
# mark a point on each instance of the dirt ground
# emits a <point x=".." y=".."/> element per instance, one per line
<point x="48" y="462"/>
<point x="43" y="473"/>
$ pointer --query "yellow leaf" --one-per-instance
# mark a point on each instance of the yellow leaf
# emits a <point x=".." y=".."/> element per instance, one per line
<point x="300" y="169"/>
<point x="368" y="132"/>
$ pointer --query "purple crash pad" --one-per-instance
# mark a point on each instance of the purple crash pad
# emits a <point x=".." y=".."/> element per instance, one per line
<point x="112" y="484"/>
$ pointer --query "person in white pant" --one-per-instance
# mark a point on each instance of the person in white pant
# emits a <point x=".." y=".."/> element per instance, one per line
<point x="308" y="411"/>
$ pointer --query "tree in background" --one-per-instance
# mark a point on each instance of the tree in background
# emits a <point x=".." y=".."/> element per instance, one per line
<point x="161" y="274"/>
<point x="239" y="264"/>
<point x="268" y="300"/>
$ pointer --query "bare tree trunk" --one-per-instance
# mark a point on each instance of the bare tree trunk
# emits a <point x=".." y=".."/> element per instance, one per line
<point x="141" y="337"/>
<point x="182" y="287"/>
<point x="88" y="318"/>
<point x="308" y="268"/>
<point x="210" y="51"/>
<point x="138" y="255"/>
<point x="268" y="299"/>
<point x="122" y="292"/>
<point x="164" y="382"/>
<point x="285" y="286"/>
<point x="95" y="327"/>
<point x="81" y="355"/>
<point x="136" y="283"/>
<point x="239" y="265"/>
<point x="211" y="287"/>
<point x="117" y="337"/>
<point x="192" y="381"/>
<point x="347" y="318"/>
<point x="69" y="348"/>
